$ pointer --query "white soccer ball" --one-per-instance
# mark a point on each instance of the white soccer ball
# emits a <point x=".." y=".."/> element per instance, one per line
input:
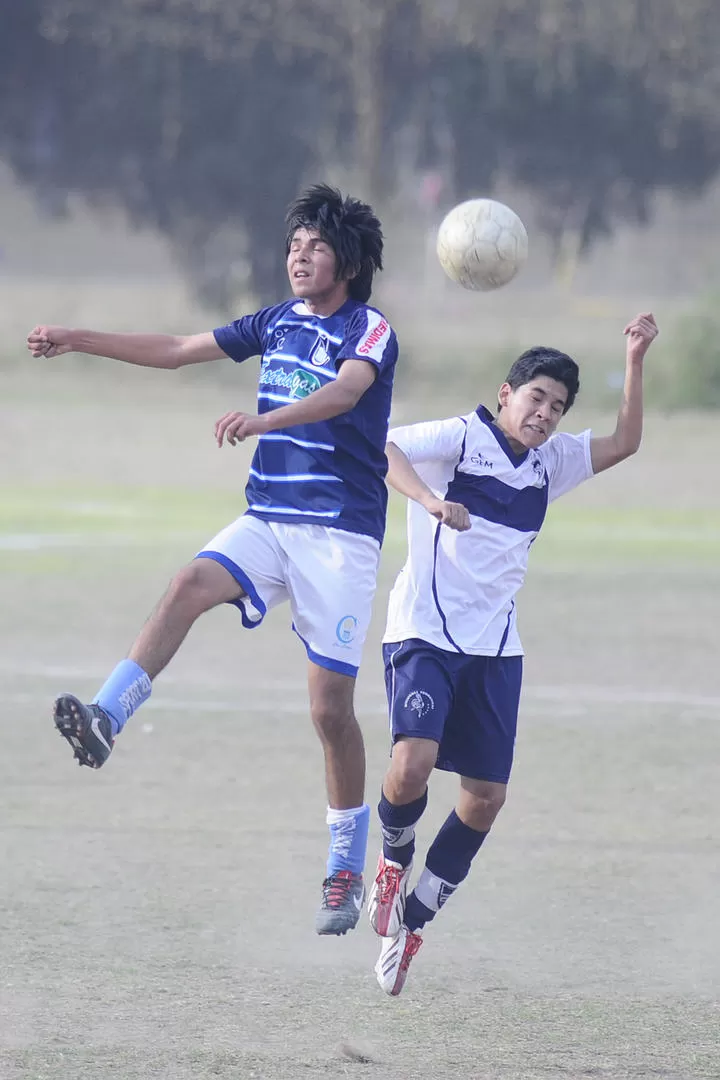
<point x="481" y="244"/>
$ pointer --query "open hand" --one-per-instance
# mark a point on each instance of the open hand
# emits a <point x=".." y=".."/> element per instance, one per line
<point x="235" y="427"/>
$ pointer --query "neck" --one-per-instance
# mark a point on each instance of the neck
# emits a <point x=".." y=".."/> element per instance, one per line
<point x="515" y="444"/>
<point x="326" y="305"/>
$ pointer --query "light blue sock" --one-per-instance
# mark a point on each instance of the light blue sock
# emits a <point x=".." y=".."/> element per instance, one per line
<point x="348" y="839"/>
<point x="125" y="690"/>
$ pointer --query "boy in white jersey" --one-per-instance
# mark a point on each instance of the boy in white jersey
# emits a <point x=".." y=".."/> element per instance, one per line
<point x="479" y="486"/>
<point x="316" y="504"/>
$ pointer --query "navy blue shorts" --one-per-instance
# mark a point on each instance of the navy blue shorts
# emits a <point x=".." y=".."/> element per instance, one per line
<point x="467" y="704"/>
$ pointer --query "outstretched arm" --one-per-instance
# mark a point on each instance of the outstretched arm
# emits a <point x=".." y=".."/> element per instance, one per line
<point x="402" y="476"/>
<point x="146" y="350"/>
<point x="625" y="440"/>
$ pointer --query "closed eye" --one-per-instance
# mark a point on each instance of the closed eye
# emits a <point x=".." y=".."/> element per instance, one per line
<point x="557" y="406"/>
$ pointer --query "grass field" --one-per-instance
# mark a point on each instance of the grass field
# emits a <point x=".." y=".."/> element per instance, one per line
<point x="156" y="918"/>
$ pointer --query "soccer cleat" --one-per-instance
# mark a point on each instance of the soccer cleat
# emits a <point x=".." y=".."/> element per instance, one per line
<point x="343" y="896"/>
<point x="394" y="961"/>
<point x="386" y="904"/>
<point x="87" y="728"/>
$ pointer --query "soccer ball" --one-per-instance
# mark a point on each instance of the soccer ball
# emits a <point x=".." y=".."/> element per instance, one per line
<point x="481" y="244"/>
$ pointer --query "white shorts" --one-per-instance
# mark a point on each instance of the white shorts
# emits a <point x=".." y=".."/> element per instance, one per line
<point x="328" y="575"/>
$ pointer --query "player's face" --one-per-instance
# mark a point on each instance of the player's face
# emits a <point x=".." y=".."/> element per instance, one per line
<point x="312" y="267"/>
<point x="530" y="414"/>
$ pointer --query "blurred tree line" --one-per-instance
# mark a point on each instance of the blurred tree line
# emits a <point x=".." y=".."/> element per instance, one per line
<point x="203" y="118"/>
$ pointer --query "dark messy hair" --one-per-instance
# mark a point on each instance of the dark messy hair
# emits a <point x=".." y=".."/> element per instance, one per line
<point x="348" y="226"/>
<point x="541" y="360"/>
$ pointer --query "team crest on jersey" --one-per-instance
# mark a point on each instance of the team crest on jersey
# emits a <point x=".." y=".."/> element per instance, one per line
<point x="319" y="355"/>
<point x="419" y="702"/>
<point x="538" y="468"/>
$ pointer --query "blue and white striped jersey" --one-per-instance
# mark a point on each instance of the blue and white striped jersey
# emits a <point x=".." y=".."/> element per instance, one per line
<point x="331" y="472"/>
<point x="457" y="590"/>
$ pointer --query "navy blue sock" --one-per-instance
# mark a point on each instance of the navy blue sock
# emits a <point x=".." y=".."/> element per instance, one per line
<point x="447" y="864"/>
<point x="398" y="827"/>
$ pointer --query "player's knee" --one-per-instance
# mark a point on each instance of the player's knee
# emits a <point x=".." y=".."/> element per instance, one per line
<point x="193" y="588"/>
<point x="331" y="720"/>
<point x="479" y="809"/>
<point x="412" y="762"/>
<point x="494" y="803"/>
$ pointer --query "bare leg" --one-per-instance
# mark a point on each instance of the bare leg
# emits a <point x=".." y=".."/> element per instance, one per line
<point x="91" y="730"/>
<point x="480" y="802"/>
<point x="331" y="708"/>
<point x="201" y="585"/>
<point x="412" y="762"/>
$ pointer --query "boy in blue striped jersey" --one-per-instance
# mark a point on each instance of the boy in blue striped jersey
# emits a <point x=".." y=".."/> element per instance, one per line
<point x="316" y="498"/>
<point x="478" y="488"/>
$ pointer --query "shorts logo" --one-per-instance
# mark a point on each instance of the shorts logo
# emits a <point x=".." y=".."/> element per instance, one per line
<point x="420" y="702"/>
<point x="345" y="629"/>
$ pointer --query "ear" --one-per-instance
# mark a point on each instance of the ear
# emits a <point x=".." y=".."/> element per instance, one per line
<point x="504" y="394"/>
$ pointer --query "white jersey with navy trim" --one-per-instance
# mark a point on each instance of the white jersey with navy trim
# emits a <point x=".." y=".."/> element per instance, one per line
<point x="331" y="472"/>
<point x="457" y="590"/>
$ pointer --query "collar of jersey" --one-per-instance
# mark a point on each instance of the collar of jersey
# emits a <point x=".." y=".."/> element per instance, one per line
<point x="488" y="419"/>
<point x="306" y="313"/>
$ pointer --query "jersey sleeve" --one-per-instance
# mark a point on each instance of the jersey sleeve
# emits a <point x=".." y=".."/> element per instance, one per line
<point x="370" y="337"/>
<point x="434" y="440"/>
<point x="243" y="337"/>
<point x="568" y="462"/>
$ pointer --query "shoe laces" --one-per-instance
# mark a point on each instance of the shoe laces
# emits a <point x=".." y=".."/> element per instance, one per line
<point x="388" y="883"/>
<point x="412" y="946"/>
<point x="336" y="889"/>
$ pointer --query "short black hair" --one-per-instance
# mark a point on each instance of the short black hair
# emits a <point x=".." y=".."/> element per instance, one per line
<point x="350" y="228"/>
<point x="541" y="360"/>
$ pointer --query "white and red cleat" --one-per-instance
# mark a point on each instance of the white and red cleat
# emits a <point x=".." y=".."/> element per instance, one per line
<point x="386" y="905"/>
<point x="394" y="961"/>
